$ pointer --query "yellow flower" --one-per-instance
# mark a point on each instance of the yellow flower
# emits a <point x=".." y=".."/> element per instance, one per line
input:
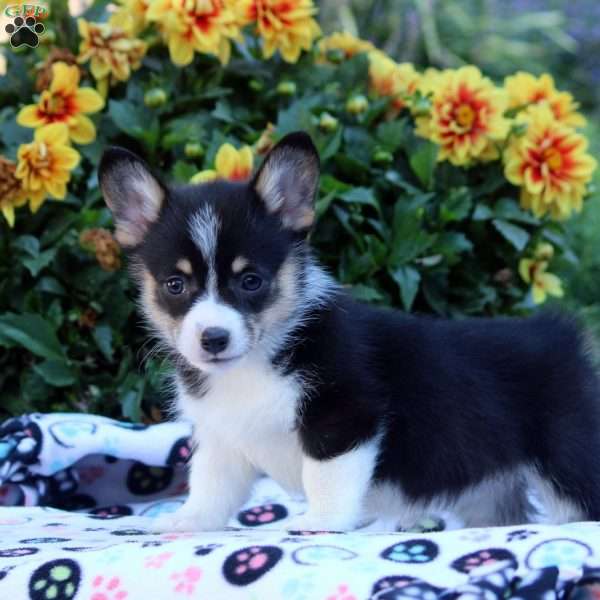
<point x="533" y="271"/>
<point x="466" y="117"/>
<point x="388" y="78"/>
<point x="348" y="44"/>
<point x="550" y="163"/>
<point x="231" y="164"/>
<point x="65" y="102"/>
<point x="130" y="15"/>
<point x="205" y="26"/>
<point x="113" y="52"/>
<point x="11" y="191"/>
<point x="284" y="25"/>
<point x="45" y="164"/>
<point x="524" y="89"/>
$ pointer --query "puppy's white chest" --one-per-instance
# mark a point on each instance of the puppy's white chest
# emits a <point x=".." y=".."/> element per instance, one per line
<point x="252" y="408"/>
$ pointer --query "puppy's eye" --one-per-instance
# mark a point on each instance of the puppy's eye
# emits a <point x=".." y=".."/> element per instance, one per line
<point x="175" y="285"/>
<point x="251" y="282"/>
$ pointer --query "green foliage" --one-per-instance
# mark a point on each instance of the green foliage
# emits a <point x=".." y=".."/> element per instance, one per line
<point x="394" y="225"/>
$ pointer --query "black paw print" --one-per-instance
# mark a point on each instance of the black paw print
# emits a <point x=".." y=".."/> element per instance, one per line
<point x="24" y="32"/>
<point x="519" y="534"/>
<point x="245" y="566"/>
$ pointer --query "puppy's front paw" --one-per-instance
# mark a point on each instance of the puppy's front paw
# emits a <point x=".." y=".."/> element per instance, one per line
<point x="183" y="521"/>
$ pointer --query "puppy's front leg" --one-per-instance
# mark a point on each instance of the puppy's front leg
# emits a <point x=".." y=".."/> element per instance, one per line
<point x="336" y="488"/>
<point x="220" y="480"/>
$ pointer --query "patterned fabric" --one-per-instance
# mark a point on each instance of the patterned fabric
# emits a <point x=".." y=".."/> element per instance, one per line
<point x="115" y="476"/>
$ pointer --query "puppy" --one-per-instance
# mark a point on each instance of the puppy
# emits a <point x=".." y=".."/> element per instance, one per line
<point x="368" y="412"/>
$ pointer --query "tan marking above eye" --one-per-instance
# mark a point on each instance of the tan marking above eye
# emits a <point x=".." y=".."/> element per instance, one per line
<point x="184" y="265"/>
<point x="239" y="264"/>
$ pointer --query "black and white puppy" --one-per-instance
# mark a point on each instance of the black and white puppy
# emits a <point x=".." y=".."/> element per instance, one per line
<point x="368" y="412"/>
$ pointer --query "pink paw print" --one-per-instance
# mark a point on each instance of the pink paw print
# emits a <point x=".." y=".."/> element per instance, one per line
<point x="171" y="537"/>
<point x="186" y="581"/>
<point x="108" y="589"/>
<point x="157" y="561"/>
<point x="342" y="593"/>
<point x="260" y="515"/>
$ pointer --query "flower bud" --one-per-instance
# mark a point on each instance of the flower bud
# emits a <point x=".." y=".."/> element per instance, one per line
<point x="383" y="157"/>
<point x="155" y="97"/>
<point x="328" y="122"/>
<point x="286" y="88"/>
<point x="357" y="104"/>
<point x="193" y="150"/>
<point x="256" y="85"/>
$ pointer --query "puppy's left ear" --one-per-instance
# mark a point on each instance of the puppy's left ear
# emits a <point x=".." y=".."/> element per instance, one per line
<point x="288" y="179"/>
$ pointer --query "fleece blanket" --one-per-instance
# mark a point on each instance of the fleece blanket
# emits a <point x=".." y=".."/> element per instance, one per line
<point x="77" y="493"/>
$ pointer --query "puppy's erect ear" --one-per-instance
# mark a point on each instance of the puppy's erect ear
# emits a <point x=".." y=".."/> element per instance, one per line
<point x="287" y="181"/>
<point x="132" y="193"/>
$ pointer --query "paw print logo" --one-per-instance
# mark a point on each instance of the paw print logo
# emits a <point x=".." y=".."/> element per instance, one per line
<point x="262" y="515"/>
<point x="24" y="32"/>
<point x="487" y="556"/>
<point x="247" y="565"/>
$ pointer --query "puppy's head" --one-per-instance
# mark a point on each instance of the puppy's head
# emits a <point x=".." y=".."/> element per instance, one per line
<point x="219" y="264"/>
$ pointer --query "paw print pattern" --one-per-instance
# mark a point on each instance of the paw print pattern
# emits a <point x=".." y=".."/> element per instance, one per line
<point x="519" y="534"/>
<point x="390" y="583"/>
<point x="321" y="553"/>
<point x="180" y="453"/>
<point x="407" y="590"/>
<point x="206" y="549"/>
<point x="24" y="32"/>
<point x="143" y="480"/>
<point x="157" y="561"/>
<point x="106" y="588"/>
<point x="55" y="579"/>
<point x="186" y="581"/>
<point x="411" y="551"/>
<point x="110" y="512"/>
<point x="262" y="515"/>
<point x="342" y="593"/>
<point x="488" y="556"/>
<point x="564" y="553"/>
<point x="247" y="565"/>
<point x="25" y="438"/>
<point x="16" y="552"/>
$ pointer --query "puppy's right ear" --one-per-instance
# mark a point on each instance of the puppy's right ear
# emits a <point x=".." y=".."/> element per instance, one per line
<point x="132" y="193"/>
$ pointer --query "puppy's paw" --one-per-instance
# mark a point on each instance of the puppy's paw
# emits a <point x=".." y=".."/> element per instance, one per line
<point x="184" y="521"/>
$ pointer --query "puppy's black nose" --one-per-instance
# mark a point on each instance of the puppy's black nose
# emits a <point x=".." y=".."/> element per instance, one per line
<point x="214" y="339"/>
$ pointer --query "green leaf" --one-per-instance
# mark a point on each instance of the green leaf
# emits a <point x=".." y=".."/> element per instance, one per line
<point x="509" y="210"/>
<point x="360" y="195"/>
<point x="55" y="373"/>
<point x="134" y="121"/>
<point x="517" y="236"/>
<point x="35" y="264"/>
<point x="482" y="213"/>
<point x="353" y="73"/>
<point x="28" y="244"/>
<point x="183" y="171"/>
<point x="103" y="337"/>
<point x="408" y="279"/>
<point x="33" y="333"/>
<point x="392" y="135"/>
<point x="457" y="206"/>
<point x="423" y="161"/>
<point x="365" y="293"/>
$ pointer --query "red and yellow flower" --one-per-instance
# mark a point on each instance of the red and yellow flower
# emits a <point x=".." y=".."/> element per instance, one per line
<point x="388" y="78"/>
<point x="65" y="102"/>
<point x="466" y="118"/>
<point x="348" y="44"/>
<point x="189" y="26"/>
<point x="113" y="52"/>
<point x="524" y="89"/>
<point x="45" y="164"/>
<point x="131" y="15"/>
<point x="284" y="25"/>
<point x="11" y="191"/>
<point x="231" y="164"/>
<point x="550" y="164"/>
<point x="534" y="272"/>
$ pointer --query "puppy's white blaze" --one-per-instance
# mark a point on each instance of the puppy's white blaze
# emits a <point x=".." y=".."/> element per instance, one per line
<point x="323" y="479"/>
<point x="209" y="312"/>
<point x="204" y="231"/>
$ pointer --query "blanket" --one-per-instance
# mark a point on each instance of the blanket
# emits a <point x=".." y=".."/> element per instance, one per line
<point x="77" y="492"/>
